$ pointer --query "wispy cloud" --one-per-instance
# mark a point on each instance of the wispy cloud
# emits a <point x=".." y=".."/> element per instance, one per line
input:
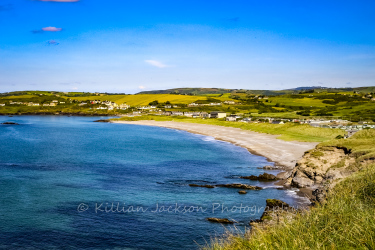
<point x="47" y="29"/>
<point x="52" y="29"/>
<point x="53" y="42"/>
<point x="156" y="63"/>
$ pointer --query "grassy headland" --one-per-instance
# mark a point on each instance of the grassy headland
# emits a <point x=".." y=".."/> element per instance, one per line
<point x="354" y="104"/>
<point x="345" y="221"/>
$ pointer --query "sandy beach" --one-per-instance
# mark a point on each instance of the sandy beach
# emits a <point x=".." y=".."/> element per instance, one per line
<point x="283" y="153"/>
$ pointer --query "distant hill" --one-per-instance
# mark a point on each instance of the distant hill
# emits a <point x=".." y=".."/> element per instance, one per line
<point x="190" y="91"/>
<point x="206" y="91"/>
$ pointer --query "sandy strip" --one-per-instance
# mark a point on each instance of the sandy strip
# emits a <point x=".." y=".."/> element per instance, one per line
<point x="284" y="153"/>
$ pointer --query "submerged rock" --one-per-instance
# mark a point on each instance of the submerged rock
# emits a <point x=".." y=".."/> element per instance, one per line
<point x="262" y="177"/>
<point x="206" y="186"/>
<point x="102" y="121"/>
<point x="218" y="220"/>
<point x="242" y="192"/>
<point x="234" y="185"/>
<point x="239" y="186"/>
<point x="10" y="123"/>
<point x="268" y="167"/>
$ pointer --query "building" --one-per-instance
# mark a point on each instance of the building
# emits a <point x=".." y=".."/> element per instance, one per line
<point x="218" y="114"/>
<point x="231" y="119"/>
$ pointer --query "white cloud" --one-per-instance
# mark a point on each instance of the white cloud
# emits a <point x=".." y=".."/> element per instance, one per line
<point x="141" y="87"/>
<point x="156" y="63"/>
<point x="53" y="29"/>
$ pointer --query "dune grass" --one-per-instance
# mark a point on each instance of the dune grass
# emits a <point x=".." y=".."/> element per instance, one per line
<point x="287" y="131"/>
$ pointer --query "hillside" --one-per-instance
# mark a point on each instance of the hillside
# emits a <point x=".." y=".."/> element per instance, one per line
<point x="341" y="219"/>
<point x="357" y="104"/>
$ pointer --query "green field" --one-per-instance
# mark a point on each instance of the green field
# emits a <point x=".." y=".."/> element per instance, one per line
<point x="350" y="104"/>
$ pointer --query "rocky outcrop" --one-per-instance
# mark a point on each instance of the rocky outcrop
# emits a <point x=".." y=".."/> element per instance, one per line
<point x="222" y="221"/>
<point x="206" y="186"/>
<point x="276" y="212"/>
<point x="261" y="177"/>
<point x="242" y="192"/>
<point x="322" y="166"/>
<point x="239" y="186"/>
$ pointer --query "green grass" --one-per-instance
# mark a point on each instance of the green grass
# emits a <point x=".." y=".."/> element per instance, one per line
<point x="287" y="131"/>
<point x="145" y="99"/>
<point x="345" y="221"/>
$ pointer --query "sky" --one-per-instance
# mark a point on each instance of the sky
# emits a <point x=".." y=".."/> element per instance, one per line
<point x="122" y="46"/>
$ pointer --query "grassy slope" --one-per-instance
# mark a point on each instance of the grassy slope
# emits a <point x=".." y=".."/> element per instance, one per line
<point x="145" y="99"/>
<point x="346" y="221"/>
<point x="288" y="131"/>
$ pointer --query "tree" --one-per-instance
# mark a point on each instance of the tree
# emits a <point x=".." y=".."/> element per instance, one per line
<point x="154" y="103"/>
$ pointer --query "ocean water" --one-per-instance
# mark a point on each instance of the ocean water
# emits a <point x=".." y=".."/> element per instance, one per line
<point x="67" y="182"/>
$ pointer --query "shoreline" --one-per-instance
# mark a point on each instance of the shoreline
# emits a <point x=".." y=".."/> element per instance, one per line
<point x="284" y="154"/>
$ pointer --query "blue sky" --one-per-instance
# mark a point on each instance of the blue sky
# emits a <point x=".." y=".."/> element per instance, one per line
<point x="130" y="46"/>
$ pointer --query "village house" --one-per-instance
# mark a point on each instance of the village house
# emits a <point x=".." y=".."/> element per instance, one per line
<point x="188" y="114"/>
<point x="231" y="119"/>
<point x="229" y="102"/>
<point x="52" y="104"/>
<point x="218" y="114"/>
<point x="277" y="122"/>
<point x="2" y="104"/>
<point x="177" y="113"/>
<point x="193" y="104"/>
<point x="204" y="115"/>
<point x="124" y="106"/>
<point x="167" y="113"/>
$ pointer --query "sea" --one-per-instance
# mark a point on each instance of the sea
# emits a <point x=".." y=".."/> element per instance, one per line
<point x="71" y="183"/>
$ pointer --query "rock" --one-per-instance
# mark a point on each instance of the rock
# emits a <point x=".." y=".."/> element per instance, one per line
<point x="268" y="167"/>
<point x="320" y="166"/>
<point x="239" y="186"/>
<point x="276" y="212"/>
<point x="10" y="123"/>
<point x="262" y="177"/>
<point x="102" y="121"/>
<point x="206" y="186"/>
<point x="250" y="177"/>
<point x="242" y="192"/>
<point x="273" y="203"/>
<point x="283" y="175"/>
<point x="218" y="220"/>
<point x="320" y="195"/>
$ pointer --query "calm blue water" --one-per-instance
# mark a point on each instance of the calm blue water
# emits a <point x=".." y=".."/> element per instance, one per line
<point x="57" y="175"/>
